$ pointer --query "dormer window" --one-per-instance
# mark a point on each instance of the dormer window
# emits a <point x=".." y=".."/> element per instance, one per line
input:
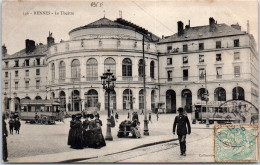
<point x="16" y="63"/>
<point x="38" y="61"/>
<point x="218" y="44"/>
<point x="185" y="48"/>
<point x="236" y="43"/>
<point x="201" y="46"/>
<point x="27" y="62"/>
<point x="6" y="64"/>
<point x="169" y="48"/>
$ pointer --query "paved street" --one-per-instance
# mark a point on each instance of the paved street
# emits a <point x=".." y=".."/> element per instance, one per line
<point x="41" y="143"/>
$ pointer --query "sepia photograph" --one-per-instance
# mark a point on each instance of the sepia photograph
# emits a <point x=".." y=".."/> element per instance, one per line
<point x="160" y="81"/>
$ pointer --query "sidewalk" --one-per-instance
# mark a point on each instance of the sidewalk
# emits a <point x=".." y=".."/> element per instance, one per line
<point x="160" y="131"/>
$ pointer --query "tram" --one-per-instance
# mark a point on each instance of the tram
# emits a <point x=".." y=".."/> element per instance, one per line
<point x="40" y="111"/>
<point x="226" y="113"/>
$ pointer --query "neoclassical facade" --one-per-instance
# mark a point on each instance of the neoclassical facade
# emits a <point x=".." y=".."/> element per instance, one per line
<point x="178" y="68"/>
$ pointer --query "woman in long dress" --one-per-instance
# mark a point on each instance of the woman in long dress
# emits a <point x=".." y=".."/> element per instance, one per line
<point x="86" y="131"/>
<point x="72" y="130"/>
<point x="77" y="140"/>
<point x="99" y="140"/>
<point x="4" y="136"/>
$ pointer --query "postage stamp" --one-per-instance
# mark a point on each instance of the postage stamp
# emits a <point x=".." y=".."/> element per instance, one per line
<point x="236" y="143"/>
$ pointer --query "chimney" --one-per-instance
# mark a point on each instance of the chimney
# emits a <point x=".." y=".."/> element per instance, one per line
<point x="180" y="28"/>
<point x="4" y="50"/>
<point x="212" y="23"/>
<point x="29" y="46"/>
<point x="236" y="26"/>
<point x="187" y="26"/>
<point x="50" y="40"/>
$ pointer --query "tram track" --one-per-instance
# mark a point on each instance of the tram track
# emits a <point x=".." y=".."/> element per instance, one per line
<point x="139" y="151"/>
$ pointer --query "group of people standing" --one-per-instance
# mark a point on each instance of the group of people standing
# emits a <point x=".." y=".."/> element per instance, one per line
<point x="14" y="124"/>
<point x="86" y="134"/>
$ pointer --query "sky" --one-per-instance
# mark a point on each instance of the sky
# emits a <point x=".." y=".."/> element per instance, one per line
<point x="159" y="17"/>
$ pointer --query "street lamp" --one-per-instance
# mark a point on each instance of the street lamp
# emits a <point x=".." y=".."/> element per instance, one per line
<point x="108" y="82"/>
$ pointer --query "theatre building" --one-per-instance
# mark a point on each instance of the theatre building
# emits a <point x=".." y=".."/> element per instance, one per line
<point x="175" y="67"/>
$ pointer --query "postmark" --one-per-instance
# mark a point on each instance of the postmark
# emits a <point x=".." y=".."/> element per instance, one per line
<point x="236" y="143"/>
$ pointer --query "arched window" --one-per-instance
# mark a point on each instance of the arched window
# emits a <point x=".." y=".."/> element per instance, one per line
<point x="141" y="99"/>
<point x="152" y="69"/>
<point x="75" y="70"/>
<point x="140" y="68"/>
<point x="92" y="98"/>
<point x="127" y="68"/>
<point x="38" y="98"/>
<point x="220" y="94"/>
<point x="112" y="100"/>
<point x="110" y="63"/>
<point x="127" y="99"/>
<point x="202" y="94"/>
<point x="92" y="70"/>
<point x="52" y="72"/>
<point x="62" y="70"/>
<point x="238" y="93"/>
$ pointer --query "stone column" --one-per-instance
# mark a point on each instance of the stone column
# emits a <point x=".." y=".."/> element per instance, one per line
<point x="147" y="69"/>
<point x="119" y="99"/>
<point x="67" y="92"/>
<point x="136" y="95"/>
<point x="148" y="99"/>
<point x="56" y="79"/>
<point x="101" y="98"/>
<point x="119" y="69"/>
<point x="82" y="69"/>
<point x="135" y="61"/>
<point x="101" y="68"/>
<point x="68" y="69"/>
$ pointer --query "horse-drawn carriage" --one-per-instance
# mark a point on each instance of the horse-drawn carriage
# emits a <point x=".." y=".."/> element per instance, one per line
<point x="40" y="111"/>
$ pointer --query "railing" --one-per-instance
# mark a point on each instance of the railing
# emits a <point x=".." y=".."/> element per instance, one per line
<point x="169" y="79"/>
<point x="91" y="78"/>
<point x="127" y="78"/>
<point x="185" y="78"/>
<point x="74" y="79"/>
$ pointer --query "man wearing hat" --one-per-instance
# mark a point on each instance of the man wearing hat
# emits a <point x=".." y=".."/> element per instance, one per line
<point x="181" y="121"/>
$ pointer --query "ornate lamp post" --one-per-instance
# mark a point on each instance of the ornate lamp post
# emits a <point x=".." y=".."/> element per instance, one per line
<point x="108" y="82"/>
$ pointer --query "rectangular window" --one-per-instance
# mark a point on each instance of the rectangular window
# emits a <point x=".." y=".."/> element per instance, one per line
<point x="169" y="61"/>
<point x="37" y="71"/>
<point x="185" y="74"/>
<point x="218" y="44"/>
<point x="219" y="72"/>
<point x="6" y="74"/>
<point x="236" y="43"/>
<point x="16" y="85"/>
<point x="16" y="63"/>
<point x="218" y="57"/>
<point x="26" y="72"/>
<point x="201" y="46"/>
<point x="185" y="48"/>
<point x="6" y="85"/>
<point x="16" y="73"/>
<point x="169" y="74"/>
<point x="201" y="58"/>
<point x="27" y="62"/>
<point x="37" y="84"/>
<point x="202" y="73"/>
<point x="38" y="61"/>
<point x="185" y="60"/>
<point x="237" y="71"/>
<point x="6" y="64"/>
<point x="26" y="84"/>
<point x="237" y="56"/>
<point x="169" y="48"/>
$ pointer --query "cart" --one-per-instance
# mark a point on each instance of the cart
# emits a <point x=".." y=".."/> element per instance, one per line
<point x="124" y="129"/>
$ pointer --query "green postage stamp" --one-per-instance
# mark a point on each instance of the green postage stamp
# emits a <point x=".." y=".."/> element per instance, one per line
<point x="236" y="143"/>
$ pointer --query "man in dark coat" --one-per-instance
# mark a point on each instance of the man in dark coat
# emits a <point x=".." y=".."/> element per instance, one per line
<point x="181" y="121"/>
<point x="17" y="125"/>
<point x="4" y="142"/>
<point x="11" y="125"/>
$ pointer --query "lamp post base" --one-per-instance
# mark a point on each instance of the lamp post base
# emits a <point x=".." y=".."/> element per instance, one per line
<point x="146" y="130"/>
<point x="207" y="122"/>
<point x="108" y="135"/>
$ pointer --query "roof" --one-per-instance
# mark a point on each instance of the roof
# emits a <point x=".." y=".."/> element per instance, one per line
<point x="38" y="102"/>
<point x="202" y="32"/>
<point x="103" y="22"/>
<point x="38" y="51"/>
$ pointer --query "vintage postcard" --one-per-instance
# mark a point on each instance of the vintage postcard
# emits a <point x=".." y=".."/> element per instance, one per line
<point x="169" y="81"/>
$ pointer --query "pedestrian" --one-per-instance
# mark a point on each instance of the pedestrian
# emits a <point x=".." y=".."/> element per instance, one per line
<point x="99" y="140"/>
<point x="11" y="125"/>
<point x="116" y="116"/>
<point x="77" y="138"/>
<point x="134" y="129"/>
<point x="150" y="117"/>
<point x="181" y="121"/>
<point x="157" y="115"/>
<point x="86" y="130"/>
<point x="17" y="125"/>
<point x="4" y="136"/>
<point x="36" y="118"/>
<point x="128" y="115"/>
<point x="142" y="112"/>
<point x="71" y="131"/>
